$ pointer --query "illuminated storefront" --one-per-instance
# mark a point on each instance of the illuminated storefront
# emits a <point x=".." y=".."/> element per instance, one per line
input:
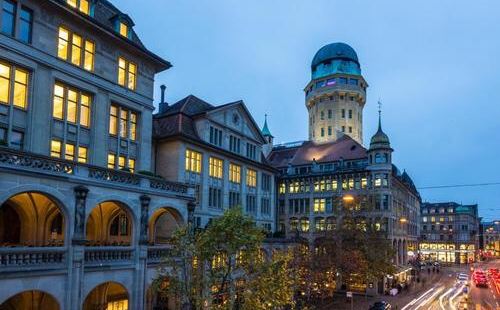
<point x="448" y="252"/>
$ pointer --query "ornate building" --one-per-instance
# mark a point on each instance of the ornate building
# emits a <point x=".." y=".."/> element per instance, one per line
<point x="79" y="218"/>
<point x="321" y="178"/>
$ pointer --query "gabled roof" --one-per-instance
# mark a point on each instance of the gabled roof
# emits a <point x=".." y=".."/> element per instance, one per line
<point x="178" y="119"/>
<point x="344" y="148"/>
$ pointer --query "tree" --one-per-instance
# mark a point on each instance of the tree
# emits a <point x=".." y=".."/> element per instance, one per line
<point x="224" y="267"/>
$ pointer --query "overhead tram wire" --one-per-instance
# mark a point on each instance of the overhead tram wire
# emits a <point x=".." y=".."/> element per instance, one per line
<point x="460" y="185"/>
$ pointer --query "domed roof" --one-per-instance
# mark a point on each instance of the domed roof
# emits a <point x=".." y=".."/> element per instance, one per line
<point x="333" y="51"/>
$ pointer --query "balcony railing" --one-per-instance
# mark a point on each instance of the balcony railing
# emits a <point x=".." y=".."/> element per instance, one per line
<point x="108" y="255"/>
<point x="32" y="258"/>
<point x="157" y="253"/>
<point x="15" y="159"/>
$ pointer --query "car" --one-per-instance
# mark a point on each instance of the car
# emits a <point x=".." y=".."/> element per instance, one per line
<point x="381" y="305"/>
<point x="481" y="282"/>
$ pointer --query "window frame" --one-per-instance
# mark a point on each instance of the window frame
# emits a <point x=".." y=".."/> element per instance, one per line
<point x="193" y="164"/>
<point x="71" y="47"/>
<point x="78" y="108"/>
<point x="216" y="167"/>
<point x="12" y="82"/>
<point x="127" y="73"/>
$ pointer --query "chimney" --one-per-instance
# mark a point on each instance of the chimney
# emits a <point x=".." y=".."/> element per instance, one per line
<point x="163" y="106"/>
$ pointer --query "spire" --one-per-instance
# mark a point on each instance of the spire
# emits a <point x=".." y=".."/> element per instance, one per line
<point x="265" y="130"/>
<point x="379" y="115"/>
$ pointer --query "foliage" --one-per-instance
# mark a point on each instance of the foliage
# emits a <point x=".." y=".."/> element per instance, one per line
<point x="224" y="267"/>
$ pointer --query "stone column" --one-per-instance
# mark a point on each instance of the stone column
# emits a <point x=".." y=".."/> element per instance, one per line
<point x="77" y="252"/>
<point x="141" y="258"/>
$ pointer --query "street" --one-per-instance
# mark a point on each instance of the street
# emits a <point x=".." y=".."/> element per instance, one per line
<point x="449" y="294"/>
<point x="434" y="292"/>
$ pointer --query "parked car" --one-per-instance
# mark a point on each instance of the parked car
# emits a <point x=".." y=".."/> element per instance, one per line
<point x="381" y="305"/>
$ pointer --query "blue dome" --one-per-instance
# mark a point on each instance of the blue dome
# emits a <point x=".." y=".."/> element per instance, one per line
<point x="333" y="51"/>
<point x="335" y="58"/>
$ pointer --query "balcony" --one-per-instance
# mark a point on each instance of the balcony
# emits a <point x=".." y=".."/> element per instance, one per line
<point x="116" y="255"/>
<point x="32" y="258"/>
<point x="157" y="253"/>
<point x="35" y="163"/>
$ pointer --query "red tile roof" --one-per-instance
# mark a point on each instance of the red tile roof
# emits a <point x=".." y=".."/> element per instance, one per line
<point x="344" y="148"/>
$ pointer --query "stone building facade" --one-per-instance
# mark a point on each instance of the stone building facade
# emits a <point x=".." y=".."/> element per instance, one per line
<point x="489" y="238"/>
<point x="219" y="151"/>
<point x="320" y="179"/>
<point x="336" y="94"/>
<point x="78" y="218"/>
<point x="449" y="232"/>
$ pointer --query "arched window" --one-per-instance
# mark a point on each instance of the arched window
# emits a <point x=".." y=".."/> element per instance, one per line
<point x="120" y="225"/>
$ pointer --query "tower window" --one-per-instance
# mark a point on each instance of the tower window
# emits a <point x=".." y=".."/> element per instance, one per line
<point x="353" y="81"/>
<point x="343" y="113"/>
<point x="322" y="132"/>
<point x="350" y="129"/>
<point x="342" y="80"/>
<point x="329" y="130"/>
<point x="350" y="113"/>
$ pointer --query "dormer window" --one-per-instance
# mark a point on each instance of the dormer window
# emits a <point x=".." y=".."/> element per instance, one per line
<point x="123" y="28"/>
<point x="82" y="5"/>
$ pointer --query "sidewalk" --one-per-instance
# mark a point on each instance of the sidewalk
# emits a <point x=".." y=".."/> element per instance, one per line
<point x="361" y="302"/>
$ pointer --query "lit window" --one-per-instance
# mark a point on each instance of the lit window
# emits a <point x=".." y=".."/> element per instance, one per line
<point x="80" y="49"/>
<point x="113" y="120"/>
<point x="133" y="126"/>
<point x="121" y="162"/>
<point x="123" y="123"/>
<point x="124" y="29"/>
<point x="127" y="73"/>
<point x="71" y="101"/>
<point x="13" y="81"/>
<point x="82" y="154"/>
<point x="55" y="148"/>
<point x="319" y="205"/>
<point x="251" y="178"/>
<point x="82" y="5"/>
<point x="118" y="305"/>
<point x="111" y="161"/>
<point x="304" y="224"/>
<point x="131" y="164"/>
<point x="234" y="173"/>
<point x="69" y="151"/>
<point x="193" y="161"/>
<point x="216" y="169"/>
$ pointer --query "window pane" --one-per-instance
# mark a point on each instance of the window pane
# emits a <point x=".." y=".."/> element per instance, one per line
<point x="62" y="47"/>
<point x="8" y="17"/>
<point x="84" y="6"/>
<point x="123" y="30"/>
<point x="133" y="126"/>
<point x="85" y="110"/>
<point x="123" y="123"/>
<point x="113" y="120"/>
<point x="58" y="102"/>
<point x="121" y="162"/>
<point x="111" y="161"/>
<point x="82" y="154"/>
<point x="89" y="56"/>
<point x="131" y="165"/>
<point x="55" y="148"/>
<point x="69" y="151"/>
<point x="20" y="88"/>
<point x="4" y="83"/>
<point x="25" y="25"/>
<point x="71" y="3"/>
<point x="17" y="139"/>
<point x="76" y="50"/>
<point x="72" y="104"/>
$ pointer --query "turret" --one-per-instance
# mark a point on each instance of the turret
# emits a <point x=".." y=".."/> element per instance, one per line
<point x="268" y="147"/>
<point x="336" y="94"/>
<point x="380" y="156"/>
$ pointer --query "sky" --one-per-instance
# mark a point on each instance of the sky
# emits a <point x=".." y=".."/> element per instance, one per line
<point x="434" y="65"/>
